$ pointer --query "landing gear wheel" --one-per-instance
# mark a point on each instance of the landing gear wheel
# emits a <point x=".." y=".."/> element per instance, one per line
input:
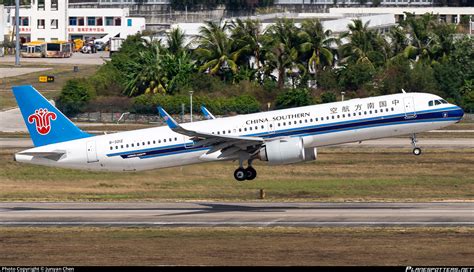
<point x="240" y="174"/>
<point x="416" y="151"/>
<point x="251" y="173"/>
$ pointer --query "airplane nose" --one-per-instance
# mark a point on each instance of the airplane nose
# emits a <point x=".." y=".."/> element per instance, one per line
<point x="460" y="113"/>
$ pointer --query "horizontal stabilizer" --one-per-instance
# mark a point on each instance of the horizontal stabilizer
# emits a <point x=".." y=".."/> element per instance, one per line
<point x="54" y="155"/>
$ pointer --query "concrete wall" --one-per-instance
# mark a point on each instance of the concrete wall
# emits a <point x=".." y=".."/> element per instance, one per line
<point x="2" y="29"/>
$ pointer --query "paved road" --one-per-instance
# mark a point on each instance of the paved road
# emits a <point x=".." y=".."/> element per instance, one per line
<point x="11" y="72"/>
<point x="452" y="143"/>
<point x="77" y="58"/>
<point x="212" y="214"/>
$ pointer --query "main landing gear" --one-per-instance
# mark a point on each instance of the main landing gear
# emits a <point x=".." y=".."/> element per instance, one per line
<point x="416" y="150"/>
<point x="248" y="173"/>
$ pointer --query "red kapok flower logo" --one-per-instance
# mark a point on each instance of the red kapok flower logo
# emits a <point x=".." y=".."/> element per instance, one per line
<point x="42" y="118"/>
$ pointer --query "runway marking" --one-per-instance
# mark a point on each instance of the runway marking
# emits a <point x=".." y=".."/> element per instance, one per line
<point x="425" y="223"/>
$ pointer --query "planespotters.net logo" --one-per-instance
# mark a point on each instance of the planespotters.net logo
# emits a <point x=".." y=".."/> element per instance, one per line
<point x="42" y="119"/>
<point x="439" y="269"/>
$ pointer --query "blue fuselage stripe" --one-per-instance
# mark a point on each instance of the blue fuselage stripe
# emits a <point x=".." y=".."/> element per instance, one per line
<point x="446" y="114"/>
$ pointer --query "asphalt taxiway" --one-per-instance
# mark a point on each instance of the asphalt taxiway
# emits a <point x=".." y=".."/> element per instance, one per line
<point x="256" y="214"/>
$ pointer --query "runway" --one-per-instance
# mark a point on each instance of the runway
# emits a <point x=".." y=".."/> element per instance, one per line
<point x="223" y="214"/>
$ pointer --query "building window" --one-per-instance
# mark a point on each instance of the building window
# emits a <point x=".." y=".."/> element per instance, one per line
<point x="40" y="4"/>
<point x="40" y="23"/>
<point x="129" y="22"/>
<point x="91" y="21"/>
<point x="117" y="21"/>
<point x="100" y="21"/>
<point x="54" y="4"/>
<point x="80" y="21"/>
<point x="73" y="21"/>
<point x="54" y="23"/>
<point x="109" y="21"/>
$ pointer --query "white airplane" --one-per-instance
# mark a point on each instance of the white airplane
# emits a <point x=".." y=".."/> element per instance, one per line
<point x="279" y="137"/>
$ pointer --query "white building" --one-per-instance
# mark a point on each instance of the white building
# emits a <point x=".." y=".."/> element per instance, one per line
<point x="50" y="20"/>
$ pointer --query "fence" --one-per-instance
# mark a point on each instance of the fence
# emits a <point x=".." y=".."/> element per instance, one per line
<point x="129" y="118"/>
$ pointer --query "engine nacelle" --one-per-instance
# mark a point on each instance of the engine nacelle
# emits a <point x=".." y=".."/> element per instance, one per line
<point x="286" y="151"/>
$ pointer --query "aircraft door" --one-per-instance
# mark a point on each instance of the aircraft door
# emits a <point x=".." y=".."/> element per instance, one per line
<point x="91" y="152"/>
<point x="409" y="104"/>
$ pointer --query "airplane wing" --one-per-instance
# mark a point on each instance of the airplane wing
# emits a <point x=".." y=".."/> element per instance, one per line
<point x="53" y="155"/>
<point x="207" y="114"/>
<point x="228" y="144"/>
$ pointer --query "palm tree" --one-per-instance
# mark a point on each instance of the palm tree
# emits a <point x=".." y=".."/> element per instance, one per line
<point x="247" y="37"/>
<point x="147" y="75"/>
<point x="363" y="45"/>
<point x="176" y="41"/>
<point x="280" y="45"/>
<point x="317" y="42"/>
<point x="422" y="41"/>
<point x="215" y="50"/>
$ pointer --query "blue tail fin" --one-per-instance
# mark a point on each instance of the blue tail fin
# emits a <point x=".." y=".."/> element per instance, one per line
<point x="46" y="124"/>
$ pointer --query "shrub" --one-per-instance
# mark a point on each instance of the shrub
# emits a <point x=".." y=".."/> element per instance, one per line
<point x="74" y="96"/>
<point x="294" y="98"/>
<point x="328" y="97"/>
<point x="147" y="103"/>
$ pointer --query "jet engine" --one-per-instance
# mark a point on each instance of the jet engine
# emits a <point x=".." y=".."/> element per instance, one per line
<point x="286" y="151"/>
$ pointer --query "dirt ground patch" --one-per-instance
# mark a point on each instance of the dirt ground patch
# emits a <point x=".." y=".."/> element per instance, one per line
<point x="236" y="246"/>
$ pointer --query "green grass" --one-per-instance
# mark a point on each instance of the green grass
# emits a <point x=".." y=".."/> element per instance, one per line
<point x="61" y="72"/>
<point x="338" y="174"/>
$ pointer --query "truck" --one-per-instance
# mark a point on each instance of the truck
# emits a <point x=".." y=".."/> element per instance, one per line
<point x="115" y="44"/>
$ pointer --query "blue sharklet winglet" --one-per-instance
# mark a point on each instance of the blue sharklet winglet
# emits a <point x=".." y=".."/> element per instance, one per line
<point x="207" y="114"/>
<point x="172" y="124"/>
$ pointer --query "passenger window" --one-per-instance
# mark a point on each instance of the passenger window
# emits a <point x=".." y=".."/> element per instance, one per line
<point x="386" y="110"/>
<point x="370" y="112"/>
<point x="332" y="117"/>
<point x="164" y="140"/>
<point x="343" y="116"/>
<point x="240" y="130"/>
<point x="143" y="143"/>
<point x="228" y="131"/>
<point x="256" y="127"/>
<point x="301" y="121"/>
<point x="138" y="144"/>
<point x="111" y="148"/>
<point x="244" y="129"/>
<point x="393" y="109"/>
<point x="154" y="142"/>
<point x="284" y="123"/>
<point x="148" y="142"/>
<point x="170" y="139"/>
<point x="175" y="138"/>
<point x="316" y="119"/>
<point x="133" y="145"/>
<point x="121" y="146"/>
<point x="116" y="147"/>
<point x="294" y="122"/>
<point x="263" y="127"/>
<point x="127" y="145"/>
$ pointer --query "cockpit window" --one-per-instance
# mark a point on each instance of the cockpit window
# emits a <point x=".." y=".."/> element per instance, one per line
<point x="443" y="101"/>
<point x="437" y="102"/>
<point x="430" y="103"/>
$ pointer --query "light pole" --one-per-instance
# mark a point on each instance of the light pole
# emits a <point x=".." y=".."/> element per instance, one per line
<point x="17" y="33"/>
<point x="342" y="95"/>
<point x="191" y="104"/>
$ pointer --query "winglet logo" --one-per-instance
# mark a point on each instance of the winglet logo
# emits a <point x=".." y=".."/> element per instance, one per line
<point x="42" y="118"/>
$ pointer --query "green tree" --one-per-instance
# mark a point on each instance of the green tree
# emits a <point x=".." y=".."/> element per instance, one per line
<point x="215" y="50"/>
<point x="316" y="44"/>
<point x="74" y="96"/>
<point x="247" y="36"/>
<point x="363" y="45"/>
<point x="281" y="50"/>
<point x="294" y="98"/>
<point x="176" y="41"/>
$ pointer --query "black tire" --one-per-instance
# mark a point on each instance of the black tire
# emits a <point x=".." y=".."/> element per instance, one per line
<point x="251" y="173"/>
<point x="240" y="174"/>
<point x="416" y="151"/>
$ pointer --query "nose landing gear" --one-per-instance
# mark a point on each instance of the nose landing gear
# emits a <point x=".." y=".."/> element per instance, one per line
<point x="416" y="150"/>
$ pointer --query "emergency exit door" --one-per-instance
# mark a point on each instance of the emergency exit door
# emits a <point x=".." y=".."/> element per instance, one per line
<point x="91" y="152"/>
<point x="409" y="104"/>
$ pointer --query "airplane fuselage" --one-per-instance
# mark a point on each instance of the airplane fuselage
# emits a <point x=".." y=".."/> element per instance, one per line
<point x="318" y="125"/>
